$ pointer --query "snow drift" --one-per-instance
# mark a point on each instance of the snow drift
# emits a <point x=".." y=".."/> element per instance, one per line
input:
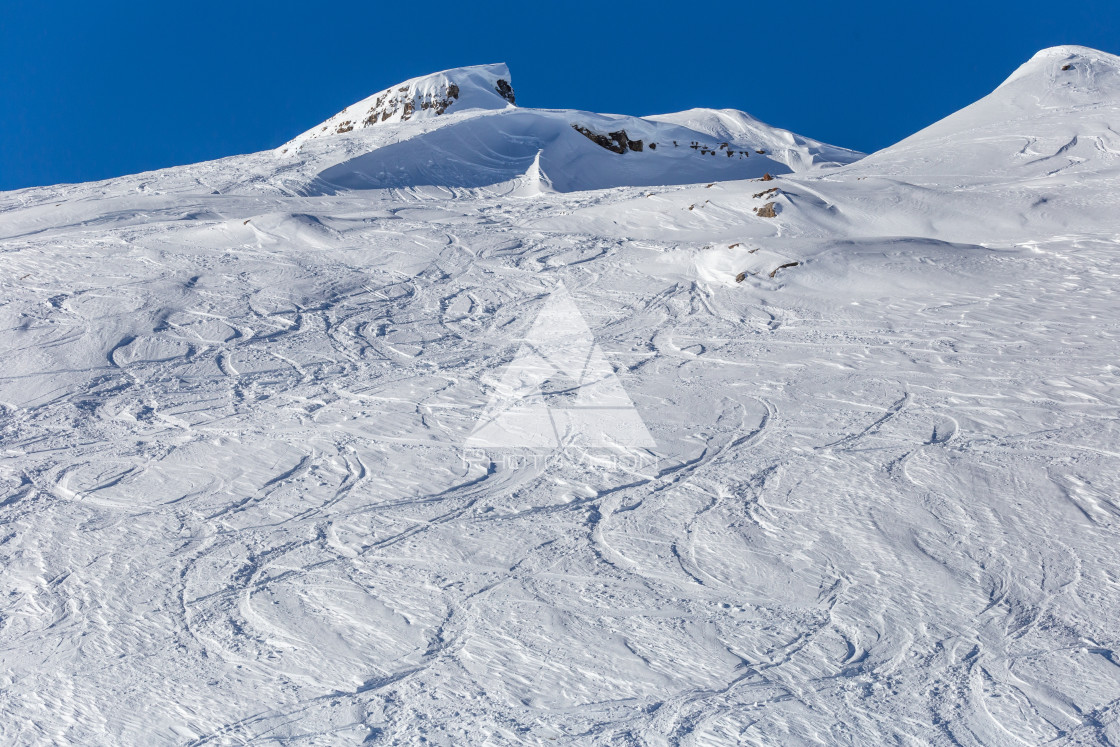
<point x="481" y="139"/>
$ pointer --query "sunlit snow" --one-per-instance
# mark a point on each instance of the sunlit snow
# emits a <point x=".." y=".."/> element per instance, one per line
<point x="238" y="503"/>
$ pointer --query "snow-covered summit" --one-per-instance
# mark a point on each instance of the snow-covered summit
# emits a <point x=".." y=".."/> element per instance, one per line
<point x="460" y="128"/>
<point x="1060" y="110"/>
<point x="458" y="89"/>
<point x="1089" y="70"/>
<point x="797" y="152"/>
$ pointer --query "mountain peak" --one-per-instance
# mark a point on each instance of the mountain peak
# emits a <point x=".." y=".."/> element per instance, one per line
<point x="458" y="89"/>
<point x="1054" y="114"/>
<point x="1073" y="50"/>
<point x="1066" y="59"/>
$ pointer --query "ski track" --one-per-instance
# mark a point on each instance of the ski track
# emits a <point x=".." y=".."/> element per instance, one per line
<point x="234" y="507"/>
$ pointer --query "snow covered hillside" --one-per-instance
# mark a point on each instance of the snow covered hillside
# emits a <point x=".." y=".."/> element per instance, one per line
<point x="460" y="128"/>
<point x="1048" y="118"/>
<point x="309" y="446"/>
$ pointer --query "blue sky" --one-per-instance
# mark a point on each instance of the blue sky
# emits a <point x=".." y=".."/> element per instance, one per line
<point x="93" y="90"/>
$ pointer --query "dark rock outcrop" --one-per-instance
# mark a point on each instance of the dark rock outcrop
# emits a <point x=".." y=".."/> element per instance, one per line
<point x="505" y="90"/>
<point x="394" y="102"/>
<point x="782" y="267"/>
<point x="616" y="142"/>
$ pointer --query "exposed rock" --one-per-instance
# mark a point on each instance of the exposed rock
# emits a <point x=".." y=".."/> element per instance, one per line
<point x="740" y="277"/>
<point x="1067" y="66"/>
<point x="505" y="90"/>
<point x="391" y="103"/>
<point x="616" y="142"/>
<point x="766" y="177"/>
<point x="767" y="211"/>
<point x="600" y="140"/>
<point x="782" y="267"/>
<point x="653" y="146"/>
<point x="765" y="192"/>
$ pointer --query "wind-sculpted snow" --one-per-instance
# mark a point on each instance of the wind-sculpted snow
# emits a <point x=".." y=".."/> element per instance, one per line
<point x="485" y="151"/>
<point x="479" y="139"/>
<point x="237" y="503"/>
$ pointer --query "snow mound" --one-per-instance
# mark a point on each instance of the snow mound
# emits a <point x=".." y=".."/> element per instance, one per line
<point x="1057" y="113"/>
<point x="458" y="89"/>
<point x="739" y="128"/>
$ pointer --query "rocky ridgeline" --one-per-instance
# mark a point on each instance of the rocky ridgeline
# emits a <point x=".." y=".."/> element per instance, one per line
<point x="725" y="148"/>
<point x="406" y="101"/>
<point x="620" y="142"/>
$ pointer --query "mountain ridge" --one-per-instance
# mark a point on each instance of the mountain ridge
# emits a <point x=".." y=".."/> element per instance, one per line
<point x="457" y="89"/>
<point x="461" y="128"/>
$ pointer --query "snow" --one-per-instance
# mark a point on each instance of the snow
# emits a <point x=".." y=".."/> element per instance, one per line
<point x="1047" y="117"/>
<point x="462" y="89"/>
<point x="240" y="500"/>
<point x="482" y="139"/>
<point x="796" y="152"/>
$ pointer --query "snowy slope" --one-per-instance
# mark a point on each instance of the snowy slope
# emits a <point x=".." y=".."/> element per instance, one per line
<point x="798" y="153"/>
<point x="480" y="139"/>
<point x="1049" y="117"/>
<point x="248" y="494"/>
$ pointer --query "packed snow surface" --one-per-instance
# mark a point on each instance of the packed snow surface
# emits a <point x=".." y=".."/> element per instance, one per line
<point x="248" y="493"/>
